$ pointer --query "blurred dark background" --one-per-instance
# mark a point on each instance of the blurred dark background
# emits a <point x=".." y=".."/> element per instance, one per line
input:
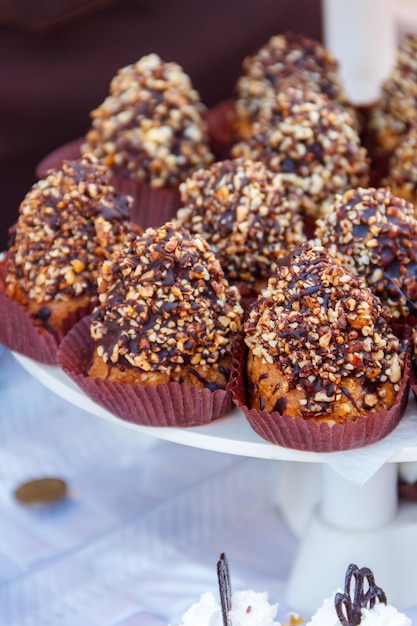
<point x="58" y="58"/>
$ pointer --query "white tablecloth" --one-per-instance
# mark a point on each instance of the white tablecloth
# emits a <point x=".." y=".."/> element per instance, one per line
<point x="138" y="538"/>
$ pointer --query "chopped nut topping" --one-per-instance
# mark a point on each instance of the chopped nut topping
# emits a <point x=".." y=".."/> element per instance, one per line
<point x="68" y="224"/>
<point x="284" y="56"/>
<point x="150" y="127"/>
<point x="164" y="302"/>
<point x="374" y="233"/>
<point x="311" y="143"/>
<point x="239" y="207"/>
<point x="315" y="297"/>
<point x="396" y="109"/>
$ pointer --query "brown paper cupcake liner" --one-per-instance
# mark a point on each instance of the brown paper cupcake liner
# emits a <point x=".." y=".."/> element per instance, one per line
<point x="413" y="376"/>
<point x="380" y="163"/>
<point x="379" y="158"/>
<point x="19" y="331"/>
<point x="220" y="121"/>
<point x="68" y="152"/>
<point x="302" y="434"/>
<point x="174" y="404"/>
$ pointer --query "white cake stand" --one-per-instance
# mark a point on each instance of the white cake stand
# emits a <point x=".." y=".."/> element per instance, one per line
<point x="362" y="35"/>
<point x="336" y="521"/>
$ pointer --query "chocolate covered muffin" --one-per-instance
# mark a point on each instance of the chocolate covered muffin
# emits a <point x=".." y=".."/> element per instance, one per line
<point x="68" y="223"/>
<point x="396" y="109"/>
<point x="150" y="128"/>
<point x="240" y="208"/>
<point x="311" y="142"/>
<point x="374" y="233"/>
<point x="165" y="314"/>
<point x="284" y="56"/>
<point x="319" y="344"/>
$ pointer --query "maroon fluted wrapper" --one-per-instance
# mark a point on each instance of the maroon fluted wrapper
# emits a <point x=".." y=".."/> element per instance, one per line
<point x="306" y="434"/>
<point x="379" y="157"/>
<point x="173" y="404"/>
<point x="21" y="333"/>
<point x="68" y="152"/>
<point x="380" y="164"/>
<point x="220" y="120"/>
<point x="413" y="376"/>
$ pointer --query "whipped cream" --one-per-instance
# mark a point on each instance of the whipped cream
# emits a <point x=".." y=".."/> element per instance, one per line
<point x="249" y="608"/>
<point x="380" y="615"/>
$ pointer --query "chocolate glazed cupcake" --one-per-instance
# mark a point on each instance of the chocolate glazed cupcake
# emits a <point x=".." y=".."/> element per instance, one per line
<point x="312" y="143"/>
<point x="287" y="58"/>
<point x="240" y="208"/>
<point x="374" y="233"/>
<point x="282" y="57"/>
<point x="69" y="222"/>
<point x="151" y="132"/>
<point x="324" y="371"/>
<point x="164" y="328"/>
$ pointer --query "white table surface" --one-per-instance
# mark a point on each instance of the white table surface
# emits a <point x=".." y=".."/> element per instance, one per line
<point x="138" y="538"/>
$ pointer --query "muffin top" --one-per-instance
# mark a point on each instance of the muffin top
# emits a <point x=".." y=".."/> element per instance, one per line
<point x="150" y="127"/>
<point x="164" y="303"/>
<point x="397" y="106"/>
<point x="320" y="324"/>
<point x="312" y="143"/>
<point x="283" y="56"/>
<point x="240" y="208"/>
<point x="374" y="233"/>
<point x="68" y="223"/>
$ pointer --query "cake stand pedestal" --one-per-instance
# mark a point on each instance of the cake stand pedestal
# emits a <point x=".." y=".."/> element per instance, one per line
<point x="362" y="35"/>
<point x="337" y="521"/>
<point x="364" y="525"/>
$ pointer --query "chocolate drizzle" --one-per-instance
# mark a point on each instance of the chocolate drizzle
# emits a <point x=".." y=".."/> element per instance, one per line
<point x="360" y="592"/>
<point x="43" y="315"/>
<point x="225" y="589"/>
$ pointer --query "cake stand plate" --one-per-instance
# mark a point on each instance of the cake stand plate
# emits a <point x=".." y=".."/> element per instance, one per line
<point x="231" y="434"/>
<point x="337" y="521"/>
